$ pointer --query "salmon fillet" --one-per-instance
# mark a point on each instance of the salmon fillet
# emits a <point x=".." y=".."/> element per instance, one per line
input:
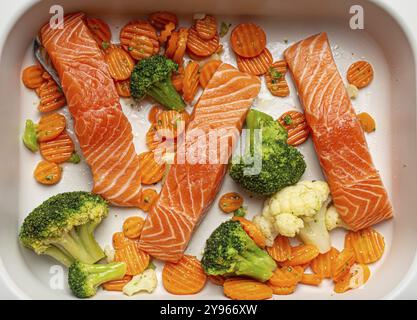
<point x="356" y="187"/>
<point x="103" y="131"/>
<point x="195" y="177"/>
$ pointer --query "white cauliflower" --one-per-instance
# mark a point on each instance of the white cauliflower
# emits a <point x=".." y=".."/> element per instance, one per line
<point x="145" y="281"/>
<point x="333" y="219"/>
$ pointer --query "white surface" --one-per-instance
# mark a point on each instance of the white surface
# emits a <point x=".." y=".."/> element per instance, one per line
<point x="378" y="100"/>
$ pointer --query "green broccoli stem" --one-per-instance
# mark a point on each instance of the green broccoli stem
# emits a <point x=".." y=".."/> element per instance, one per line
<point x="101" y="273"/>
<point x="72" y="243"/>
<point x="165" y="93"/>
<point x="59" y="255"/>
<point x="86" y="234"/>
<point x="255" y="263"/>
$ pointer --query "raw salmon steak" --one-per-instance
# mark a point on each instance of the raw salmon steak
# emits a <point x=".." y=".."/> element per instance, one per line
<point x="357" y="190"/>
<point x="196" y="175"/>
<point x="103" y="131"/>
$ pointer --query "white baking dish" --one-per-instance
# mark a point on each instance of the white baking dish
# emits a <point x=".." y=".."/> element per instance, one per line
<point x="391" y="99"/>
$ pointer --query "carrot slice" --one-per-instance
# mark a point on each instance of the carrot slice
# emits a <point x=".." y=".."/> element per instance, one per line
<point x="360" y="74"/>
<point x="230" y="202"/>
<point x="281" y="249"/>
<point x="58" y="150"/>
<point x="148" y="198"/>
<point x="138" y="28"/>
<point x="207" y="27"/>
<point x="32" y="77"/>
<point x="170" y="124"/>
<point x="132" y="227"/>
<point x="123" y="88"/>
<point x="153" y="140"/>
<point x="217" y="280"/>
<point x="311" y="279"/>
<point x="283" y="291"/>
<point x="151" y="170"/>
<point x="47" y="173"/>
<point x="154" y="112"/>
<point x="177" y="79"/>
<point x="161" y="18"/>
<point x="136" y="260"/>
<point x="246" y="289"/>
<point x="184" y="277"/>
<point x="284" y="277"/>
<point x="258" y="65"/>
<point x="301" y="254"/>
<point x="178" y="56"/>
<point x="296" y="125"/>
<point x="342" y="263"/>
<point x="322" y="265"/>
<point x="248" y="40"/>
<point x="51" y="96"/>
<point x="140" y="47"/>
<point x="50" y="126"/>
<point x="117" y="285"/>
<point x="100" y="30"/>
<point x="207" y="71"/>
<point x="166" y="33"/>
<point x="191" y="81"/>
<point x="201" y="47"/>
<point x="120" y="240"/>
<point x="357" y="276"/>
<point x="172" y="44"/>
<point x="120" y="63"/>
<point x="367" y="122"/>
<point x="367" y="244"/>
<point x="275" y="79"/>
<point x="252" y="230"/>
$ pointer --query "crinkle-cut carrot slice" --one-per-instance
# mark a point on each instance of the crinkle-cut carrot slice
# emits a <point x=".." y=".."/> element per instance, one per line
<point x="322" y="264"/>
<point x="170" y="124"/>
<point x="360" y="74"/>
<point x="283" y="291"/>
<point x="367" y="244"/>
<point x="178" y="56"/>
<point x="195" y="57"/>
<point x="161" y="18"/>
<point x="311" y="279"/>
<point x="152" y="170"/>
<point x="100" y="30"/>
<point x="177" y="79"/>
<point x="357" y="276"/>
<point x="166" y="33"/>
<point x="217" y="280"/>
<point x="252" y="230"/>
<point x="123" y="88"/>
<point x="184" y="277"/>
<point x="206" y="28"/>
<point x="120" y="241"/>
<point x="230" y="202"/>
<point x="132" y="227"/>
<point x="301" y="254"/>
<point x="120" y="63"/>
<point x="284" y="277"/>
<point x="281" y="249"/>
<point x="201" y="47"/>
<point x="296" y="125"/>
<point x="191" y="81"/>
<point x="51" y="97"/>
<point x="248" y="40"/>
<point x="341" y="265"/>
<point x="47" y="173"/>
<point x="136" y="260"/>
<point x="32" y="77"/>
<point x="154" y="112"/>
<point x="207" y="71"/>
<point x="138" y="28"/>
<point x="58" y="150"/>
<point x="275" y="79"/>
<point x="50" y="126"/>
<point x="246" y="289"/>
<point x="46" y="75"/>
<point x="147" y="199"/>
<point x="140" y="47"/>
<point x="258" y="65"/>
<point x="367" y="122"/>
<point x="153" y="140"/>
<point x="117" y="285"/>
<point x="172" y="44"/>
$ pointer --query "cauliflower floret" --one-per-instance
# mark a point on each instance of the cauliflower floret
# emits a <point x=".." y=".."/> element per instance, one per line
<point x="288" y="224"/>
<point x="146" y="281"/>
<point x="333" y="219"/>
<point x="266" y="225"/>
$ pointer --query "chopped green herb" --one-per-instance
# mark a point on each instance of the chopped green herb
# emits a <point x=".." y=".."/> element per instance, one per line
<point x="49" y="177"/>
<point x="151" y="266"/>
<point x="241" y="212"/>
<point x="105" y="45"/>
<point x="287" y="119"/>
<point x="274" y="73"/>
<point x="224" y="29"/>
<point x="75" y="158"/>
<point x="130" y="49"/>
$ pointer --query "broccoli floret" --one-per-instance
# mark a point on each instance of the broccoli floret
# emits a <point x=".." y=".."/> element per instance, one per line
<point x="83" y="279"/>
<point x="281" y="165"/>
<point x="63" y="227"/>
<point x="30" y="138"/>
<point x="231" y="252"/>
<point x="152" y="76"/>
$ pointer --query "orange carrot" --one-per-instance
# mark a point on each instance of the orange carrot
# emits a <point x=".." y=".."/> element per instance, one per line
<point x="230" y="202"/>
<point x="217" y="280"/>
<point x="123" y="88"/>
<point x="296" y="125"/>
<point x="322" y="264"/>
<point x="51" y="96"/>
<point x="301" y="254"/>
<point x="282" y="291"/>
<point x="311" y="279"/>
<point x="100" y="30"/>
<point x="191" y="81"/>
<point x="248" y="40"/>
<point x="120" y="63"/>
<point x="117" y="285"/>
<point x="258" y="65"/>
<point x="153" y="140"/>
<point x="207" y="71"/>
<point x="136" y="260"/>
<point x="184" y="277"/>
<point x="120" y="240"/>
<point x="284" y="277"/>
<point x="32" y="77"/>
<point x="152" y="171"/>
<point x="275" y="79"/>
<point x="360" y="74"/>
<point x="51" y="126"/>
<point x="154" y="112"/>
<point x="47" y="173"/>
<point x="172" y="44"/>
<point x="170" y="124"/>
<point x="58" y="150"/>
<point x="281" y="249"/>
<point x="178" y="56"/>
<point x="367" y="244"/>
<point x="138" y="28"/>
<point x="140" y="47"/>
<point x="161" y="18"/>
<point x="341" y="265"/>
<point x="252" y="230"/>
<point x="357" y="276"/>
<point x="166" y="33"/>
<point x="132" y="227"/>
<point x="367" y="122"/>
<point x="201" y="47"/>
<point x="148" y="198"/>
<point x="246" y="289"/>
<point x="206" y="28"/>
<point x="177" y="79"/>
